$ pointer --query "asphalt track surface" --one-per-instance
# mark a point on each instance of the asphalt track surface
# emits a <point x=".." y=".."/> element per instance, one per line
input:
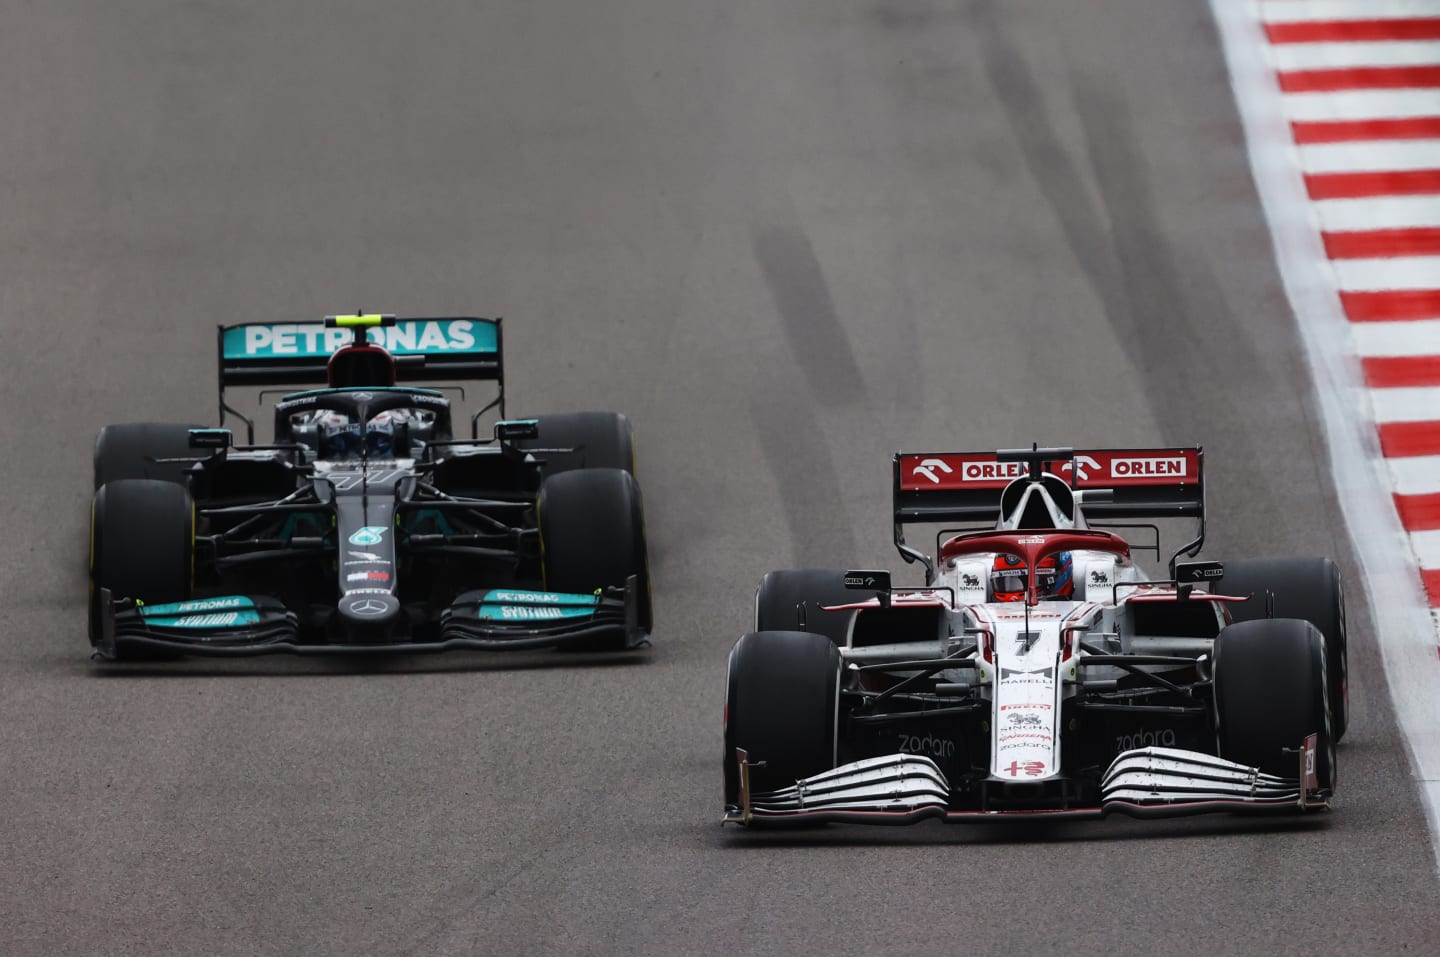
<point x="787" y="238"/>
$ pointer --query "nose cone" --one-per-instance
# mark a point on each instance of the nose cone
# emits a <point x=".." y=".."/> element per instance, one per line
<point x="370" y="616"/>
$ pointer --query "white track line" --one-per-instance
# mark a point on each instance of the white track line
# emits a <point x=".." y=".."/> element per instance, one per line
<point x="1415" y="404"/>
<point x="1300" y="11"/>
<point x="1370" y="156"/>
<point x="1401" y="272"/>
<point x="1404" y="626"/>
<point x="1418" y="338"/>
<point x="1288" y="57"/>
<point x="1416" y="476"/>
<point x="1380" y="212"/>
<point x="1427" y="548"/>
<point x="1361" y="104"/>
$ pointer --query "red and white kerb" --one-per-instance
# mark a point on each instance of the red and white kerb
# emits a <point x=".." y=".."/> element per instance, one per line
<point x="1360" y="86"/>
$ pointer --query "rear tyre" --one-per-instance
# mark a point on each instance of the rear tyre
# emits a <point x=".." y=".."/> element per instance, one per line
<point x="592" y="535"/>
<point x="780" y="594"/>
<point x="129" y="451"/>
<point x="781" y="700"/>
<point x="142" y="543"/>
<point x="600" y="440"/>
<point x="1306" y="588"/>
<point x="1271" y="693"/>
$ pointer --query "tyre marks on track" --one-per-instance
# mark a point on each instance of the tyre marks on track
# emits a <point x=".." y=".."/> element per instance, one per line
<point x="783" y="410"/>
<point x="818" y="341"/>
<point x="1107" y="208"/>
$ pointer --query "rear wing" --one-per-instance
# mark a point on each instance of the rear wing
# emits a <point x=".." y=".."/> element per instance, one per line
<point x="427" y="349"/>
<point x="1113" y="485"/>
<point x="295" y="353"/>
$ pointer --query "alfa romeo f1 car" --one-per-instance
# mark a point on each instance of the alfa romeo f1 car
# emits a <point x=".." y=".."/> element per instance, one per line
<point x="366" y="525"/>
<point x="1038" y="670"/>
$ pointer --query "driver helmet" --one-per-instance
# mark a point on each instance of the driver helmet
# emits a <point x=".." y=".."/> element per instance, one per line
<point x="1055" y="577"/>
<point x="340" y="438"/>
<point x="380" y="436"/>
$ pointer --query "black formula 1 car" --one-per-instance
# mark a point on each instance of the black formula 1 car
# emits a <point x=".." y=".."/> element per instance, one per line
<point x="366" y="526"/>
<point x="1038" y="670"/>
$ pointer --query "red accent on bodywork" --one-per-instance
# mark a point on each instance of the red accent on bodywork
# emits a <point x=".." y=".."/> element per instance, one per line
<point x="925" y="599"/>
<point x="1194" y="596"/>
<point x="1033" y="546"/>
<point x="1099" y="468"/>
<point x="361" y="351"/>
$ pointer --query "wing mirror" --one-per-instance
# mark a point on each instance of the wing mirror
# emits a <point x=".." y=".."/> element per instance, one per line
<point x="511" y="430"/>
<point x="1190" y="573"/>
<point x="877" y="581"/>
<point x="218" y="439"/>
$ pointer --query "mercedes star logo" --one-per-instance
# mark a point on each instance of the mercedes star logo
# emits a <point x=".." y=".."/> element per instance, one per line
<point x="367" y="607"/>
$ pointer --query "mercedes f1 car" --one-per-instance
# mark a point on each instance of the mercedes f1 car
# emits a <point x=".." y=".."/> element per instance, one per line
<point x="1038" y="670"/>
<point x="366" y="525"/>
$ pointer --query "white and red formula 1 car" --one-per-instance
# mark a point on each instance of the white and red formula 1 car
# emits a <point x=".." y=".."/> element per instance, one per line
<point x="1039" y="670"/>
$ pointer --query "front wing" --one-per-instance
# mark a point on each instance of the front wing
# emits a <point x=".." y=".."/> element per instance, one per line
<point x="246" y="626"/>
<point x="1145" y="782"/>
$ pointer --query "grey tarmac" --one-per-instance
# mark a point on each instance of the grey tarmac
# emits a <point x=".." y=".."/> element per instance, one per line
<point x="787" y="237"/>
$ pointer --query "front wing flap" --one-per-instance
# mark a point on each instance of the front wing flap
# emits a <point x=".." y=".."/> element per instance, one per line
<point x="1146" y="782"/>
<point x="248" y="625"/>
<point x="234" y="624"/>
<point x="509" y="619"/>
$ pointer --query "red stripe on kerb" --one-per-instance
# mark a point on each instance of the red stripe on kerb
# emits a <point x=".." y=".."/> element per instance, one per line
<point x="1419" y="513"/>
<point x="1347" y="131"/>
<point x="1407" y="182"/>
<point x="1380" y="243"/>
<point x="1430" y="578"/>
<point x="1391" y="304"/>
<point x="1399" y="440"/>
<point x="1360" y="78"/>
<point x="1398" y="372"/>
<point x="1322" y="31"/>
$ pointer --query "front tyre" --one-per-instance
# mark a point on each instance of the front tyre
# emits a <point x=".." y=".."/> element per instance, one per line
<point x="781" y="700"/>
<point x="592" y="534"/>
<point x="1271" y="693"/>
<point x="1306" y="588"/>
<point x="142" y="544"/>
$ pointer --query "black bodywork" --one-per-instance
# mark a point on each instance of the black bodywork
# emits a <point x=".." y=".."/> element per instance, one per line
<point x="435" y="546"/>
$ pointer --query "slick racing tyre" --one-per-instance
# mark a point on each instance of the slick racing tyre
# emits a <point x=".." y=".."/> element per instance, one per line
<point x="592" y="534"/>
<point x="129" y="451"/>
<point x="1271" y="693"/>
<point x="781" y="697"/>
<point x="599" y="440"/>
<point x="1308" y="588"/>
<point x="780" y="594"/>
<point x="142" y="544"/>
